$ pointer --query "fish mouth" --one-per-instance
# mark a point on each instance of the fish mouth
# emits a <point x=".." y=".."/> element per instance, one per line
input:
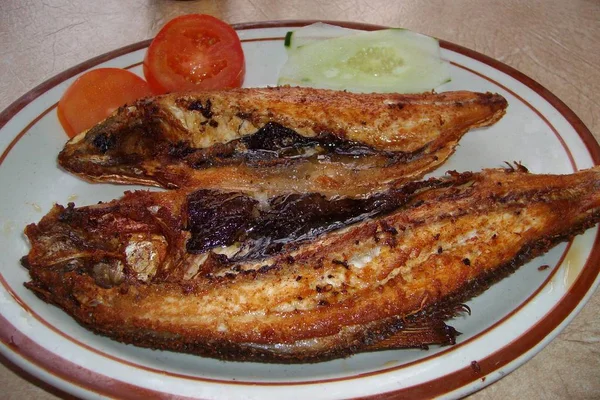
<point x="107" y="168"/>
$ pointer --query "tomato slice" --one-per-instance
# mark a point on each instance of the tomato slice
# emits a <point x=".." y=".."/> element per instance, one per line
<point x="194" y="51"/>
<point x="95" y="95"/>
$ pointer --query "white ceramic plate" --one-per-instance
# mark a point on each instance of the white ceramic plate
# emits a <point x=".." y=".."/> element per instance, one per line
<point x="510" y="322"/>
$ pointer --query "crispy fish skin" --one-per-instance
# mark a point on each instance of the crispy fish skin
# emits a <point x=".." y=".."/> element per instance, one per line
<point x="316" y="140"/>
<point x="121" y="268"/>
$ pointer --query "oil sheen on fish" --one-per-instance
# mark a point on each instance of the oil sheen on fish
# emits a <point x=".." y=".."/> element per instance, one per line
<point x="279" y="140"/>
<point x="301" y="277"/>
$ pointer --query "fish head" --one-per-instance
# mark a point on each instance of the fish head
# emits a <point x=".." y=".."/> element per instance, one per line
<point x="116" y="149"/>
<point x="99" y="241"/>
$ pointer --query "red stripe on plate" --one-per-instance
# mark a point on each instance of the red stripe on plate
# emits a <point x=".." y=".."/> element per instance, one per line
<point x="102" y="384"/>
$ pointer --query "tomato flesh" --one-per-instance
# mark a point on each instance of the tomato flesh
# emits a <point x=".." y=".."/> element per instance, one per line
<point x="194" y="52"/>
<point x="95" y="95"/>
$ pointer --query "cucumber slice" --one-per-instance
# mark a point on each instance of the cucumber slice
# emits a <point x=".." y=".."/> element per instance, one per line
<point x="390" y="60"/>
<point x="314" y="33"/>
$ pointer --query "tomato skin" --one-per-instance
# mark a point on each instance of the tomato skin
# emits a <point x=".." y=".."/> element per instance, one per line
<point x="95" y="95"/>
<point x="194" y="51"/>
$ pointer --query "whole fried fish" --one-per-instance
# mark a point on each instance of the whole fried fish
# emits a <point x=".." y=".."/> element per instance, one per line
<point x="279" y="140"/>
<point x="299" y="277"/>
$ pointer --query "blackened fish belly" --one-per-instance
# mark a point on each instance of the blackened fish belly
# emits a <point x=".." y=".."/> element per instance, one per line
<point x="300" y="277"/>
<point x="279" y="140"/>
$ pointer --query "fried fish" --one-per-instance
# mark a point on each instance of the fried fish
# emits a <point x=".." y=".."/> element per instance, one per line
<point x="279" y="140"/>
<point x="300" y="277"/>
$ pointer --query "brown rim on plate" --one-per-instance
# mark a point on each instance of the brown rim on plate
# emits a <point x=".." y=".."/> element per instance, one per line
<point x="70" y="371"/>
<point x="437" y="386"/>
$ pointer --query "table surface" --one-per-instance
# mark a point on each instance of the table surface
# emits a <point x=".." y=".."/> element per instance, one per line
<point x="557" y="43"/>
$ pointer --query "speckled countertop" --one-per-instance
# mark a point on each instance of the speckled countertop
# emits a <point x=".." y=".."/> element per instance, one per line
<point x="555" y="42"/>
